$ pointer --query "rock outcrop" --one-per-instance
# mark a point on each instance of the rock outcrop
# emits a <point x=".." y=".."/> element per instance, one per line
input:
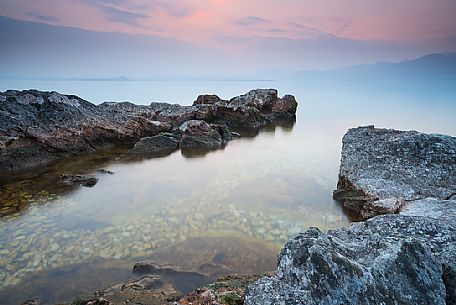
<point x="408" y="257"/>
<point x="37" y="127"/>
<point x="198" y="133"/>
<point x="383" y="170"/>
<point x="388" y="259"/>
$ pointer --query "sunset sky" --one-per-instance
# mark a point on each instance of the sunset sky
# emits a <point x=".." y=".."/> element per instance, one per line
<point x="355" y="31"/>
<point x="208" y="20"/>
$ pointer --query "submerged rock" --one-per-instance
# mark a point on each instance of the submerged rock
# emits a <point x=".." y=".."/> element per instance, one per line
<point x="385" y="260"/>
<point x="382" y="170"/>
<point x="146" y="290"/>
<point x="72" y="180"/>
<point x="104" y="171"/>
<point x="37" y="127"/>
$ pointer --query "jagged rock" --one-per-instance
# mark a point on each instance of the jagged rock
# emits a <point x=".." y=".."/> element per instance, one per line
<point x="197" y="133"/>
<point x="156" y="144"/>
<point x="37" y="127"/>
<point x="226" y="290"/>
<point x="385" y="260"/>
<point x="256" y="108"/>
<point x="72" y="180"/>
<point x="207" y="99"/>
<point x="382" y="170"/>
<point x="146" y="290"/>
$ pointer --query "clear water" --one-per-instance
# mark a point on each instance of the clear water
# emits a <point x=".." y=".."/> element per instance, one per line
<point x="232" y="208"/>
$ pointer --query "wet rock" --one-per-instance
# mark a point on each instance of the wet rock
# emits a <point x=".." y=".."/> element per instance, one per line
<point x="146" y="290"/>
<point x="382" y="170"/>
<point x="73" y="180"/>
<point x="197" y="133"/>
<point x="226" y="290"/>
<point x="104" y="171"/>
<point x="156" y="144"/>
<point x="37" y="127"/>
<point x="183" y="281"/>
<point x="35" y="301"/>
<point x="385" y="260"/>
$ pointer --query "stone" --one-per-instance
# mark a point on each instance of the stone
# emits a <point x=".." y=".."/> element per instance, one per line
<point x="73" y="180"/>
<point x="156" y="144"/>
<point x="207" y="99"/>
<point x="104" y="171"/>
<point x="390" y="259"/>
<point x="383" y="170"/>
<point x="35" y="301"/>
<point x="226" y="290"/>
<point x="199" y="134"/>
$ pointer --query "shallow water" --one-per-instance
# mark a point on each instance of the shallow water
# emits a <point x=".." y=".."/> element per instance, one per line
<point x="232" y="208"/>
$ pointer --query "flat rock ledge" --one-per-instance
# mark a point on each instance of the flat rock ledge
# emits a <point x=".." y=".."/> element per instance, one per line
<point x="406" y="257"/>
<point x="37" y="127"/>
<point x="383" y="171"/>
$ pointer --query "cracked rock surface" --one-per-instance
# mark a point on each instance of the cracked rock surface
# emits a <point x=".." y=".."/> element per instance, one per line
<point x="382" y="170"/>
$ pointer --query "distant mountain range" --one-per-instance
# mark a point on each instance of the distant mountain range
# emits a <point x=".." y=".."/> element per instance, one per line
<point x="432" y="66"/>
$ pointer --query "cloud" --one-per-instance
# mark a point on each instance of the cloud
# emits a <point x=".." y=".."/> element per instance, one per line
<point x="44" y="18"/>
<point x="117" y="15"/>
<point x="252" y="21"/>
<point x="118" y="11"/>
<point x="304" y="31"/>
<point x="174" y="10"/>
<point x="343" y="24"/>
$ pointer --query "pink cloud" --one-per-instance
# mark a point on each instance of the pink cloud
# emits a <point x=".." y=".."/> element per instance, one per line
<point x="202" y="21"/>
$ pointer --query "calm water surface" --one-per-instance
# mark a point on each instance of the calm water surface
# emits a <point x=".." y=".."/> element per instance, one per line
<point x="232" y="208"/>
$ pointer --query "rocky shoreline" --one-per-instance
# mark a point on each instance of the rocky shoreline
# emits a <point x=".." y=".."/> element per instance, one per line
<point x="37" y="127"/>
<point x="406" y="256"/>
<point x="402" y="185"/>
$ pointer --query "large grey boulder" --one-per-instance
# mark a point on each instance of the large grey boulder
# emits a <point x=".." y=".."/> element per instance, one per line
<point x="382" y="170"/>
<point x="385" y="260"/>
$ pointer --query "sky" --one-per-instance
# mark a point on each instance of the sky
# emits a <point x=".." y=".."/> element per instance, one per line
<point x="207" y="20"/>
<point x="362" y="31"/>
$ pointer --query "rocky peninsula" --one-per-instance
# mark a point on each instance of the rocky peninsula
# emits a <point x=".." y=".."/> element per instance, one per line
<point x="37" y="127"/>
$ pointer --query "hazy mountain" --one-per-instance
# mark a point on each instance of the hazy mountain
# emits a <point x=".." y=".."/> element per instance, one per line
<point x="432" y="66"/>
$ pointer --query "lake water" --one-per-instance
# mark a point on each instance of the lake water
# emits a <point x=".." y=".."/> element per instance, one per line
<point x="232" y="208"/>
